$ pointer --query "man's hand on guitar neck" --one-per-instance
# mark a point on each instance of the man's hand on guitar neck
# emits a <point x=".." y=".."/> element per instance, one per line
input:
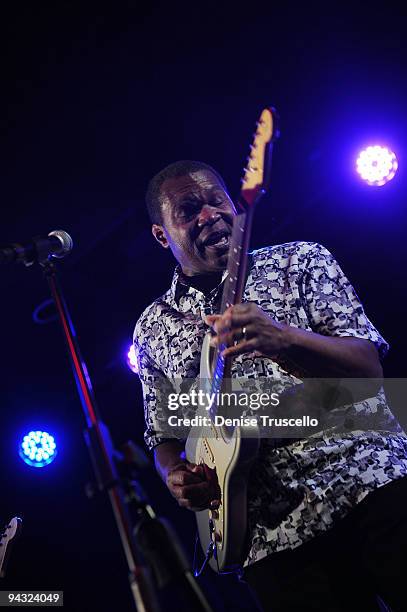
<point x="195" y="487"/>
<point x="246" y="328"/>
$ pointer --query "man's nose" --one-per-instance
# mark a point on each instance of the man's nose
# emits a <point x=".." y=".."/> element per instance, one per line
<point x="208" y="216"/>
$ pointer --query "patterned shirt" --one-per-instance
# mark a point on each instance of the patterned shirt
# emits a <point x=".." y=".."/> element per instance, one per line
<point x="298" y="490"/>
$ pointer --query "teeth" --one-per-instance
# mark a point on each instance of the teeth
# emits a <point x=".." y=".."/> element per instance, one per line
<point x="220" y="241"/>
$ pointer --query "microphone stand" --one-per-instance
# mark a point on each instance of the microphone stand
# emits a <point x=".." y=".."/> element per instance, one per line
<point x="102" y="453"/>
<point x="150" y="547"/>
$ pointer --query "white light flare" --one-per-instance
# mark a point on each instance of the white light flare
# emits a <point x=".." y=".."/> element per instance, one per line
<point x="376" y="165"/>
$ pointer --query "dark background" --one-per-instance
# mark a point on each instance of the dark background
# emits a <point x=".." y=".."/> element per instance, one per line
<point x="96" y="98"/>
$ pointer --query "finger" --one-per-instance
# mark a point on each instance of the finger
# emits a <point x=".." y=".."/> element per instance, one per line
<point x="190" y="505"/>
<point x="216" y="319"/>
<point x="198" y="494"/>
<point x="243" y="318"/>
<point x="216" y="322"/>
<point x="239" y="313"/>
<point x="196" y="469"/>
<point x="225" y="338"/>
<point x="247" y="346"/>
<point x="223" y="324"/>
<point x="195" y="492"/>
<point x="221" y="327"/>
<point x="201" y="495"/>
<point x="211" y="319"/>
<point x="237" y="334"/>
<point x="229" y="325"/>
<point x="210" y="476"/>
<point x="235" y="321"/>
<point x="181" y="478"/>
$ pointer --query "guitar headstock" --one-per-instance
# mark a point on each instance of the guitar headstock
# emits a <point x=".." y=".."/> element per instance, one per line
<point x="9" y="533"/>
<point x="256" y="178"/>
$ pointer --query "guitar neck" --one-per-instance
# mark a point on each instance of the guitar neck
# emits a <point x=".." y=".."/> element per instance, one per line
<point x="234" y="286"/>
<point x="237" y="260"/>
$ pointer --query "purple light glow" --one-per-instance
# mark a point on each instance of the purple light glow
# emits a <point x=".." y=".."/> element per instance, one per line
<point x="376" y="165"/>
<point x="132" y="359"/>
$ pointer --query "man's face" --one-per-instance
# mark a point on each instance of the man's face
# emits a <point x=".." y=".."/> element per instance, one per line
<point x="197" y="222"/>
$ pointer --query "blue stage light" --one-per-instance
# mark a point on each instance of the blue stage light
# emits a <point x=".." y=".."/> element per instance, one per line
<point x="38" y="448"/>
<point x="132" y="359"/>
<point x="376" y="165"/>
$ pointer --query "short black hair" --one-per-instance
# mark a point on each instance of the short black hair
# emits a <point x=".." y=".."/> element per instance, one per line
<point x="179" y="168"/>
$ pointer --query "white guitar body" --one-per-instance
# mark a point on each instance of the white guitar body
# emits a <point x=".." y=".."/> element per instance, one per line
<point x="232" y="456"/>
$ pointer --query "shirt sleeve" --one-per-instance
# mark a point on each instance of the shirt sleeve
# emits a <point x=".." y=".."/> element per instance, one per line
<point x="156" y="387"/>
<point x="332" y="304"/>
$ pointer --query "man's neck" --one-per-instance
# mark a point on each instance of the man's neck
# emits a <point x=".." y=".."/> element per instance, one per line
<point x="203" y="282"/>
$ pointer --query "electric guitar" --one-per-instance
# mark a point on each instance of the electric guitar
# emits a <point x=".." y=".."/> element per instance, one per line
<point x="9" y="533"/>
<point x="230" y="451"/>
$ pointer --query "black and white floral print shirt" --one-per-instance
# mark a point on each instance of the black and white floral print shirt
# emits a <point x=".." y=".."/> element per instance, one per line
<point x="298" y="490"/>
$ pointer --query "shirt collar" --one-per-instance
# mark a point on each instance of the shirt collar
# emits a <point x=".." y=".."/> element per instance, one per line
<point x="179" y="286"/>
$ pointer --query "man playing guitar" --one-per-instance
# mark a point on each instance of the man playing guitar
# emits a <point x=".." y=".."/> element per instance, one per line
<point x="323" y="517"/>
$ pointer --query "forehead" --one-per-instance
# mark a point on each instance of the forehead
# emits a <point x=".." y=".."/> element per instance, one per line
<point x="199" y="183"/>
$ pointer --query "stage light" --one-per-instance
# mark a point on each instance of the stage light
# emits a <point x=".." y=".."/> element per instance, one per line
<point x="132" y="359"/>
<point x="376" y="165"/>
<point x="38" y="449"/>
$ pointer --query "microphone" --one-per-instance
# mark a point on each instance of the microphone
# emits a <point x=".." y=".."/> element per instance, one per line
<point x="57" y="244"/>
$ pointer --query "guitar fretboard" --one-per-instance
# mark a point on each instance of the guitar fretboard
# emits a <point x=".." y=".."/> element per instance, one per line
<point x="233" y="289"/>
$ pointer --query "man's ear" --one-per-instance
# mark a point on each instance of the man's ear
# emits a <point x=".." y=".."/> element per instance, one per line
<point x="159" y="234"/>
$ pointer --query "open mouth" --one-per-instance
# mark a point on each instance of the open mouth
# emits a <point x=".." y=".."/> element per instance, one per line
<point x="217" y="239"/>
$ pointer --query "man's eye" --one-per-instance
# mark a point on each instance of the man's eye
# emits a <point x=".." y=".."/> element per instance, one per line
<point x="189" y="209"/>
